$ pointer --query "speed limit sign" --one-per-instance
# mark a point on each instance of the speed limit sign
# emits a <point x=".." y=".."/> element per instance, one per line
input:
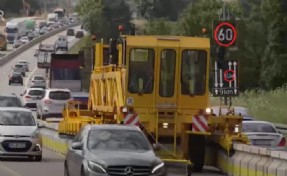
<point x="225" y="34"/>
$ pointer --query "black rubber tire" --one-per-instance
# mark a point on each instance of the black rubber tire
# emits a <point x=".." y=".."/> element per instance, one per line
<point x="38" y="158"/>
<point x="196" y="152"/>
<point x="66" y="172"/>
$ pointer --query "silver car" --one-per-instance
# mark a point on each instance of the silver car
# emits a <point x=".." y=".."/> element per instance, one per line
<point x="264" y="134"/>
<point x="25" y="63"/>
<point x="103" y="150"/>
<point x="18" y="67"/>
<point x="20" y="136"/>
<point x="38" y="81"/>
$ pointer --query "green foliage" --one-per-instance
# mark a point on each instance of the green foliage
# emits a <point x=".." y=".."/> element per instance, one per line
<point x="101" y="17"/>
<point x="15" y="7"/>
<point x="199" y="15"/>
<point x="169" y="9"/>
<point x="160" y="27"/>
<point x="274" y="62"/>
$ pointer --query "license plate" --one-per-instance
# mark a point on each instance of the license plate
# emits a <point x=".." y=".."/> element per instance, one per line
<point x="35" y="98"/>
<point x="265" y="143"/>
<point x="17" y="145"/>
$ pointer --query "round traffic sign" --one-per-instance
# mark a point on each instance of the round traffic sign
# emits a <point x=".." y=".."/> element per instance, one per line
<point x="229" y="75"/>
<point x="225" y="34"/>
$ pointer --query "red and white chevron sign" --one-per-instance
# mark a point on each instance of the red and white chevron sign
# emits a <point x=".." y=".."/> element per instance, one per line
<point x="199" y="123"/>
<point x="131" y="119"/>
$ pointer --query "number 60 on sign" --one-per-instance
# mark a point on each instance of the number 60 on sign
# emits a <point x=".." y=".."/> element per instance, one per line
<point x="225" y="34"/>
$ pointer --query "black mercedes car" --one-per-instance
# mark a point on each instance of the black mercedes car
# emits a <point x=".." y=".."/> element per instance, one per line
<point x="16" y="78"/>
<point x="105" y="150"/>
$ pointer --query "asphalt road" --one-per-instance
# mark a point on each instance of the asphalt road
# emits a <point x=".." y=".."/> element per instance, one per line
<point x="52" y="163"/>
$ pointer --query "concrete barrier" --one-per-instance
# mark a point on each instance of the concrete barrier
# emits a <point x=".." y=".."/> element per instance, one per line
<point x="25" y="47"/>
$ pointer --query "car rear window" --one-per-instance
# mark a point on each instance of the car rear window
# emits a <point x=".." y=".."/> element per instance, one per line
<point x="18" y="66"/>
<point x="59" y="95"/>
<point x="258" y="128"/>
<point x="38" y="78"/>
<point x="36" y="92"/>
<point x="10" y="102"/>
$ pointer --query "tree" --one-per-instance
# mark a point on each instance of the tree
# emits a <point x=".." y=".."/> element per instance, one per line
<point x="102" y="18"/>
<point x="169" y="9"/>
<point x="274" y="62"/>
<point x="198" y="15"/>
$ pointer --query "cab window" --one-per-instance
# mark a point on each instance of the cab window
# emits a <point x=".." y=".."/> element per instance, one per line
<point x="141" y="71"/>
<point x="167" y="73"/>
<point x="193" y="72"/>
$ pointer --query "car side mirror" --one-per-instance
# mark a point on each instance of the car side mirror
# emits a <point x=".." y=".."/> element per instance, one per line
<point x="156" y="146"/>
<point x="77" y="146"/>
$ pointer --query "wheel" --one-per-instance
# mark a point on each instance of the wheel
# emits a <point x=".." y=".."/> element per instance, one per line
<point x="9" y="83"/>
<point x="82" y="172"/>
<point x="38" y="115"/>
<point x="196" y="151"/>
<point x="66" y="172"/>
<point x="38" y="158"/>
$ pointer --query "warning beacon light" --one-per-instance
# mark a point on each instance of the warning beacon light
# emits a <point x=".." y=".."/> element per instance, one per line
<point x="204" y="30"/>
<point x="121" y="28"/>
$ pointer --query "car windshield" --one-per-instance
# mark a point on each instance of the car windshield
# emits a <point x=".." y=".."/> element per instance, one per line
<point x="258" y="128"/>
<point x="59" y="95"/>
<point x="38" y="78"/>
<point x="18" y="66"/>
<point x="17" y="118"/>
<point x="117" y="140"/>
<point x="36" y="92"/>
<point x="9" y="102"/>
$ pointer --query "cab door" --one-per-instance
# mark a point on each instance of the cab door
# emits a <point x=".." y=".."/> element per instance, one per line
<point x="168" y="54"/>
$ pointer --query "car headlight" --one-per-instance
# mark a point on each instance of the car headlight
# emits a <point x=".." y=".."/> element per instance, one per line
<point x="35" y="134"/>
<point x="158" y="169"/>
<point x="94" y="167"/>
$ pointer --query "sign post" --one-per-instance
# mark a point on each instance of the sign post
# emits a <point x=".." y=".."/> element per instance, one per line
<point x="225" y="71"/>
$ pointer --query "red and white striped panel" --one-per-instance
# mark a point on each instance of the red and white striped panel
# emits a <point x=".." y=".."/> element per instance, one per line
<point x="131" y="119"/>
<point x="199" y="123"/>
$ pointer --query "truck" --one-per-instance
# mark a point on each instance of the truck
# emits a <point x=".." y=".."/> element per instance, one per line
<point x="60" y="12"/>
<point x="161" y="85"/>
<point x="52" y="18"/>
<point x="15" y="29"/>
<point x="43" y="54"/>
<point x="65" y="73"/>
<point x="30" y="25"/>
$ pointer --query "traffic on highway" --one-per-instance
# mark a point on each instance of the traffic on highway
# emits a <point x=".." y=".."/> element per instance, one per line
<point x="126" y="104"/>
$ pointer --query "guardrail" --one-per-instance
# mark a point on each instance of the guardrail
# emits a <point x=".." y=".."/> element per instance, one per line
<point x="23" y="48"/>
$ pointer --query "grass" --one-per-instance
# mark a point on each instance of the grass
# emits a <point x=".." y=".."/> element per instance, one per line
<point x="268" y="106"/>
<point x="86" y="71"/>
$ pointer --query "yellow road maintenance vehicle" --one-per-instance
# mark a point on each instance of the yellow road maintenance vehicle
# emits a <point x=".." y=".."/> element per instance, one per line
<point x="159" y="83"/>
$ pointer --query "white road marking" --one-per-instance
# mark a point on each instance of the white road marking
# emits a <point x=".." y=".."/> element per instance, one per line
<point x="28" y="77"/>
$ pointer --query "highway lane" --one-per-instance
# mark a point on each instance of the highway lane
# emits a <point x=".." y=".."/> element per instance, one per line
<point x="52" y="163"/>
<point x="10" y="46"/>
